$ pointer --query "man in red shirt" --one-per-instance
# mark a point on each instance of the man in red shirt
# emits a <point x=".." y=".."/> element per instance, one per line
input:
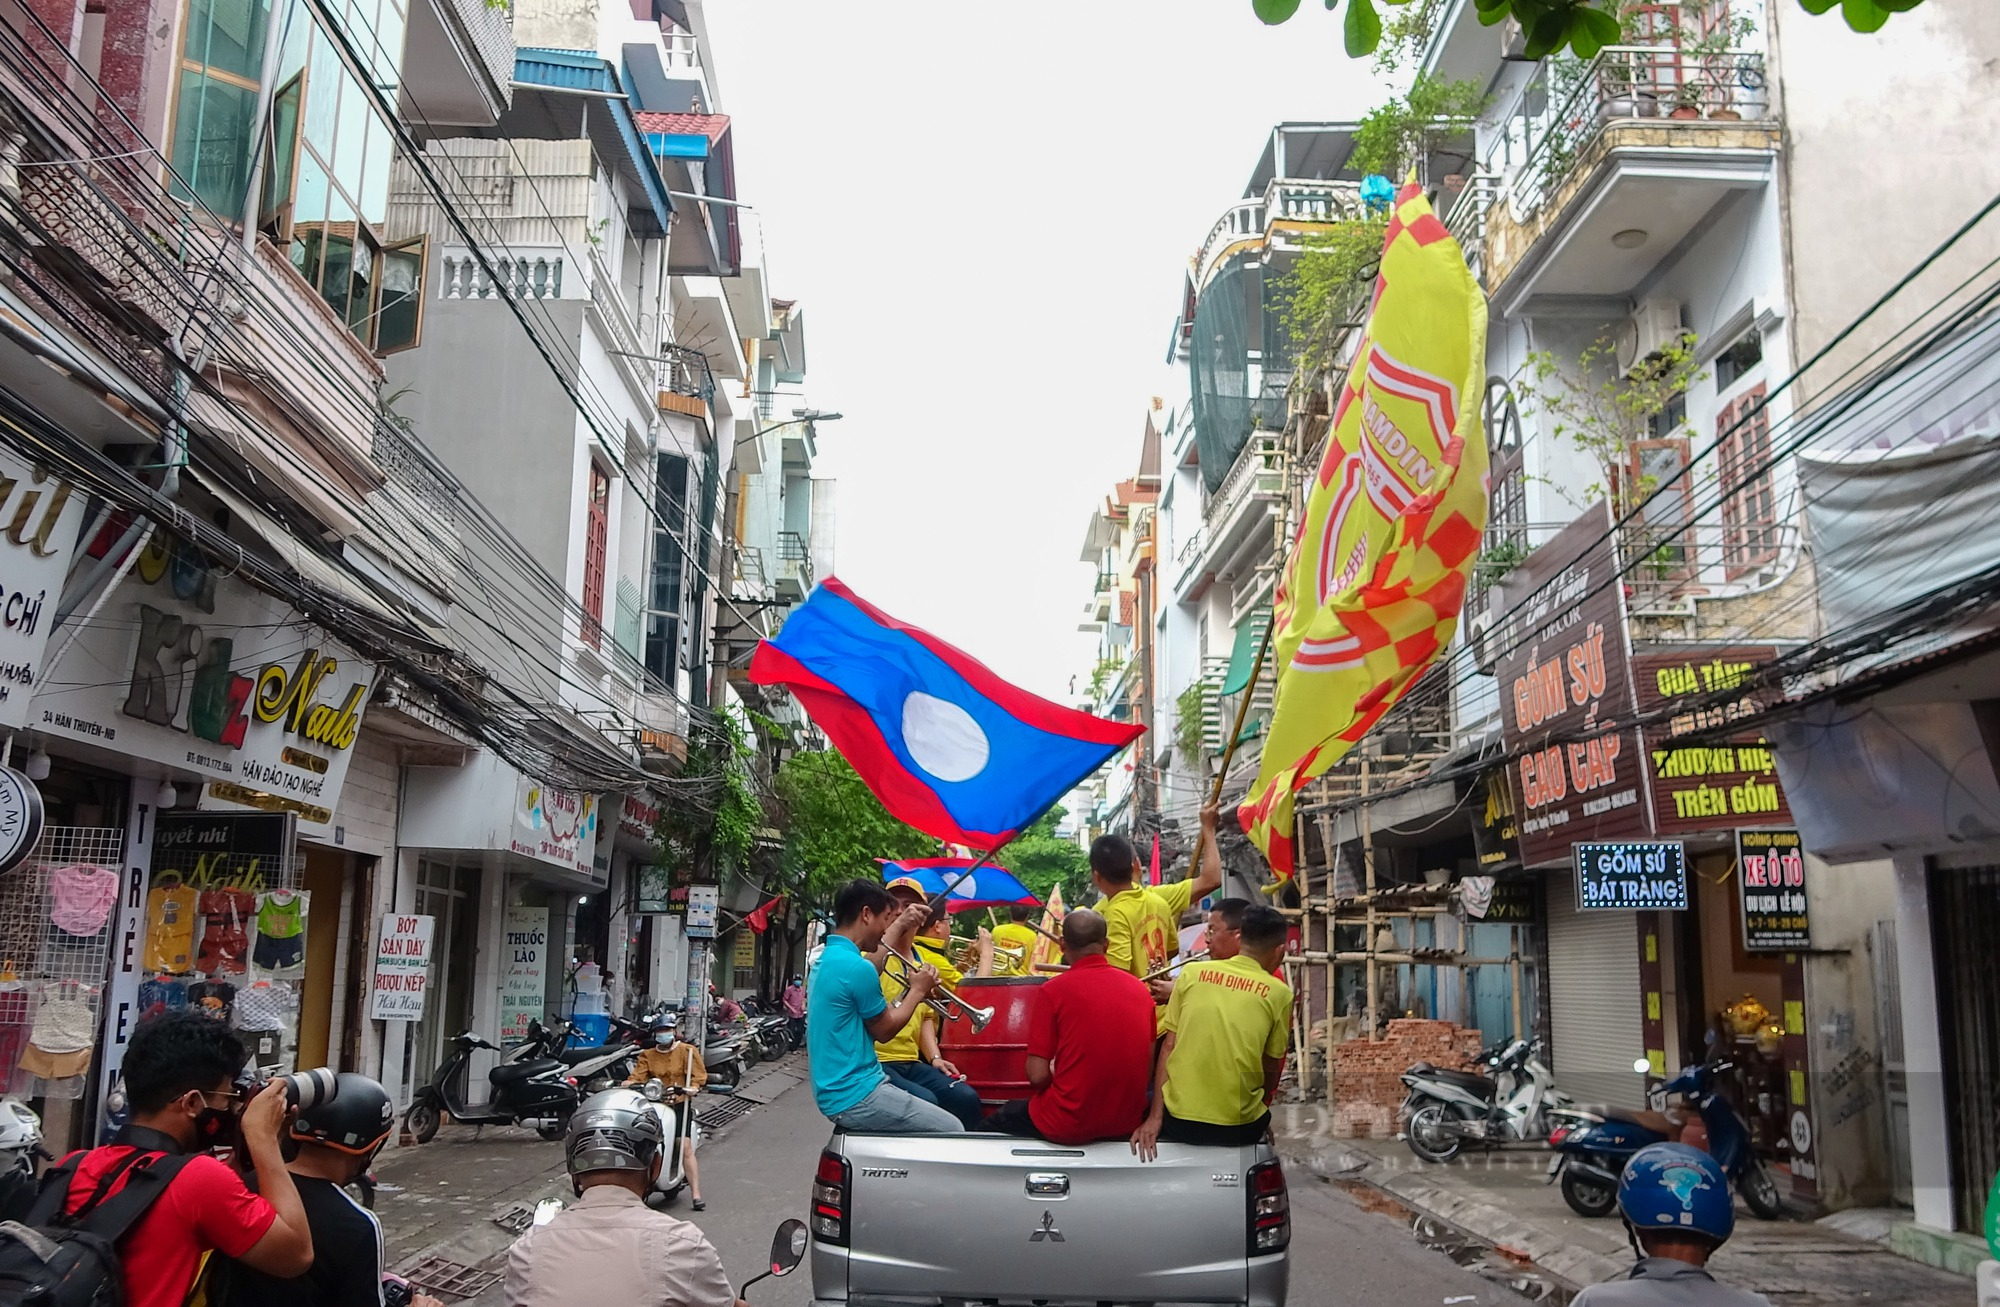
<point x="179" y="1077"/>
<point x="1090" y="1035"/>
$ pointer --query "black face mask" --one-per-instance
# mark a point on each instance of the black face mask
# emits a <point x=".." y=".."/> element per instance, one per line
<point x="217" y="1127"/>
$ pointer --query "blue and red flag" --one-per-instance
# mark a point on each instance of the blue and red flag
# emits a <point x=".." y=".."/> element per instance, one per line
<point x="988" y="887"/>
<point x="947" y="746"/>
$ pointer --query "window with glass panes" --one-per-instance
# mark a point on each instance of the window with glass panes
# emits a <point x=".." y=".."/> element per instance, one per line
<point x="663" y="597"/>
<point x="327" y="152"/>
<point x="596" y="539"/>
<point x="1749" y="500"/>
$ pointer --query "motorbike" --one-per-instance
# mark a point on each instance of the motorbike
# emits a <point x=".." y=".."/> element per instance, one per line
<point x="770" y="1033"/>
<point x="676" y="1113"/>
<point x="1593" y="1150"/>
<point x="725" y="1057"/>
<point x="531" y="1091"/>
<point x="1509" y="1101"/>
<point x="594" y="1067"/>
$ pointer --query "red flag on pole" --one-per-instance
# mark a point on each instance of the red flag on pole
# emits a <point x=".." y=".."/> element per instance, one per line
<point x="760" y="920"/>
<point x="1153" y="877"/>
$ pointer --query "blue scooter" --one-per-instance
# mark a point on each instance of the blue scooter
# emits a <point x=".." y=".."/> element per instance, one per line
<point x="1592" y="1146"/>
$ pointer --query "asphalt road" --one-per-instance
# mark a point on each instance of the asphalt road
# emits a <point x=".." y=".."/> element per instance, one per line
<point x="1348" y="1248"/>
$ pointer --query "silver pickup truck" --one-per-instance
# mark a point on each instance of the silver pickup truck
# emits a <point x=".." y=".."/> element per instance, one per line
<point x="917" y="1219"/>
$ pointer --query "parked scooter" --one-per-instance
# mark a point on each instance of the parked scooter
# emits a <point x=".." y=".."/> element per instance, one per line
<point x="594" y="1067"/>
<point x="1510" y="1103"/>
<point x="770" y="1032"/>
<point x="532" y="1091"/>
<point x="1591" y="1153"/>
<point x="723" y="1056"/>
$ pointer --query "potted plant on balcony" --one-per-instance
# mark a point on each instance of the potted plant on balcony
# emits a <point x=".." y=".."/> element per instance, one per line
<point x="1711" y="51"/>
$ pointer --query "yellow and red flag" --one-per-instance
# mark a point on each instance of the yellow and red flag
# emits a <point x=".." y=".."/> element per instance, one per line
<point x="1392" y="524"/>
<point x="1046" y="949"/>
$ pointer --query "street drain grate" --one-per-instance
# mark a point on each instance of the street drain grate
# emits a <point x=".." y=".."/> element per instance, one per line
<point x="449" y="1279"/>
<point x="723" y="1112"/>
<point x="515" y="1219"/>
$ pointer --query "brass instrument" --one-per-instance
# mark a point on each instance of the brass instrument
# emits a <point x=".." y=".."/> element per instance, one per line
<point x="947" y="1005"/>
<point x="1007" y="959"/>
<point x="1152" y="976"/>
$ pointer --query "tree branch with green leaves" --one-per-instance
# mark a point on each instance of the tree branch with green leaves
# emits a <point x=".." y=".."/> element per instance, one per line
<point x="1582" y="26"/>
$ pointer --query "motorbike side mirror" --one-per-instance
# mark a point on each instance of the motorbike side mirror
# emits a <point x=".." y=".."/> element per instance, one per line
<point x="788" y="1249"/>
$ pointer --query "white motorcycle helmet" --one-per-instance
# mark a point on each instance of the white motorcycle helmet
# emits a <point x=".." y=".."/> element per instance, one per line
<point x="616" y="1130"/>
<point x="20" y="1129"/>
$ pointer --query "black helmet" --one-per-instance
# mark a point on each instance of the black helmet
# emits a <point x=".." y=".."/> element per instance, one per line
<point x="355" y="1119"/>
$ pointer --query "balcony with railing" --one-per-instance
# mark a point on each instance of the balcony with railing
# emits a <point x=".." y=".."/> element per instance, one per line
<point x="795" y="569"/>
<point x="1289" y="207"/>
<point x="1627" y="152"/>
<point x="1187" y="564"/>
<point x="686" y="384"/>
<point x="458" y="62"/>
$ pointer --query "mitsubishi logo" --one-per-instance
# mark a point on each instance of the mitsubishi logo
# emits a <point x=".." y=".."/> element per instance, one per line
<point x="1047" y="1229"/>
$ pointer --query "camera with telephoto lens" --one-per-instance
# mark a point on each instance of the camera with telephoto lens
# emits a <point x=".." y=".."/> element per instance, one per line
<point x="304" y="1090"/>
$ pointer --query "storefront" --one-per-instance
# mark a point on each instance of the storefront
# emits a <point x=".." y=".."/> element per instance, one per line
<point x="649" y="948"/>
<point x="501" y="863"/>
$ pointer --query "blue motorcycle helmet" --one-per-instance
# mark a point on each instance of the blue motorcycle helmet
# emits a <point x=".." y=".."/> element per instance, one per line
<point x="1677" y="1188"/>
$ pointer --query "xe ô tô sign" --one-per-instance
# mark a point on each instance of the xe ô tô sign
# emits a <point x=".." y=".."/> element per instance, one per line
<point x="1771" y="880"/>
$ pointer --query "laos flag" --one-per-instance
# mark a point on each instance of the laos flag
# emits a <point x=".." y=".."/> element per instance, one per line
<point x="962" y="882"/>
<point x="947" y="746"/>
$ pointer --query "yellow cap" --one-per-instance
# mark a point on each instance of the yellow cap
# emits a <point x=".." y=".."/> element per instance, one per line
<point x="910" y="883"/>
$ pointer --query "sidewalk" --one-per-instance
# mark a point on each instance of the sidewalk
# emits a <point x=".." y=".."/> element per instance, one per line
<point x="450" y="1208"/>
<point x="1504" y="1199"/>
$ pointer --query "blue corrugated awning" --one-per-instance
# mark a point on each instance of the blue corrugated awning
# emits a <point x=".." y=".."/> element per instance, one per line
<point x="678" y="145"/>
<point x="582" y="70"/>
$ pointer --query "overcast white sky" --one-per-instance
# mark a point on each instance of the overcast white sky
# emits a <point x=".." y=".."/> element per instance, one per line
<point x="986" y="211"/>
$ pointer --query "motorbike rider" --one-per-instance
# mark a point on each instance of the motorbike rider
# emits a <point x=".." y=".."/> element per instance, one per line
<point x="337" y="1139"/>
<point x="678" y="1065"/>
<point x="1677" y="1210"/>
<point x="609" y="1247"/>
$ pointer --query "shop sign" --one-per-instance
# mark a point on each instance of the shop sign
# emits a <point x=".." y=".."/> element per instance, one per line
<point x="402" y="968"/>
<point x="1496" y="833"/>
<point x="746" y="949"/>
<point x="1566" y="701"/>
<point x="1771" y="882"/>
<point x="20" y="818"/>
<point x="524" y="948"/>
<point x="1717" y="781"/>
<point x="702" y="901"/>
<point x="555" y="825"/>
<point x="637" y="817"/>
<point x="43" y="515"/>
<point x="208" y="676"/>
<point x="1513" y="902"/>
<point x="1635" y="874"/>
<point x="656" y="891"/>
<point x="223" y="850"/>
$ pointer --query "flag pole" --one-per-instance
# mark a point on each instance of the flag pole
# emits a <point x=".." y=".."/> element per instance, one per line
<point x="1235" y="732"/>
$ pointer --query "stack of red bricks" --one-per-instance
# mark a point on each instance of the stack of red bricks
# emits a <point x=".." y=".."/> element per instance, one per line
<point x="1367" y="1076"/>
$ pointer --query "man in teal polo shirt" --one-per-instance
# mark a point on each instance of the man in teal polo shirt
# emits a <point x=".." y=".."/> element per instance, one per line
<point x="846" y="1014"/>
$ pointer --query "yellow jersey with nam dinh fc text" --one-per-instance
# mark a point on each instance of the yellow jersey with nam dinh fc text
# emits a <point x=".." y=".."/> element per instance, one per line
<point x="1226" y="1018"/>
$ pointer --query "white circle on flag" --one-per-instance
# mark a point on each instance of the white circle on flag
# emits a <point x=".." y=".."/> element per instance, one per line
<point x="942" y="738"/>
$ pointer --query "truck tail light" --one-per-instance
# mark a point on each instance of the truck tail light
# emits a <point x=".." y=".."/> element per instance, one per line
<point x="829" y="1198"/>
<point x="1270" y="1210"/>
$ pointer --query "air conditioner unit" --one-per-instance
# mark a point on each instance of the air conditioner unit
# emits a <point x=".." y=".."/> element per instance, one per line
<point x="1653" y="327"/>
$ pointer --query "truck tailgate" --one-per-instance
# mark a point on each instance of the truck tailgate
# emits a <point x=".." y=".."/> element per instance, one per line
<point x="990" y="1217"/>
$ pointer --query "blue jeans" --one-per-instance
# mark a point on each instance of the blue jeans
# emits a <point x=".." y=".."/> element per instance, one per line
<point x="890" y="1111"/>
<point x="934" y="1086"/>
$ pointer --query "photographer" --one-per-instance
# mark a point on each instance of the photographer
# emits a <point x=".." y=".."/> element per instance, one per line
<point x="337" y="1139"/>
<point x="180" y="1080"/>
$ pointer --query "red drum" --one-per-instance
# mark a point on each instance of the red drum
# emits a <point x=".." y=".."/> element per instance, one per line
<point x="995" y="1060"/>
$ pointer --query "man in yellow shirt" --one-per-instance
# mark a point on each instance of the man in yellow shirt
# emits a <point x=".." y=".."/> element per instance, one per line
<point x="1145" y="920"/>
<point x="1017" y="938"/>
<point x="1227" y="1030"/>
<point x="911" y="1057"/>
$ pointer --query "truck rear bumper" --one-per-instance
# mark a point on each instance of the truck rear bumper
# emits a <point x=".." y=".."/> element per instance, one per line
<point x="1267" y="1284"/>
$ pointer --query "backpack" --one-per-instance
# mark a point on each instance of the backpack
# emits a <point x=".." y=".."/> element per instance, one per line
<point x="58" y="1259"/>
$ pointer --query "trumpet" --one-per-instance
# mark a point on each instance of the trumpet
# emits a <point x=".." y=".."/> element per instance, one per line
<point x="947" y="1005"/>
<point x="1151" y="976"/>
<point x="1007" y="959"/>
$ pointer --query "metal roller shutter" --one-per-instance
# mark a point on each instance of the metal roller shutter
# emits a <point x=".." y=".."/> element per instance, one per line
<point x="1594" y="1000"/>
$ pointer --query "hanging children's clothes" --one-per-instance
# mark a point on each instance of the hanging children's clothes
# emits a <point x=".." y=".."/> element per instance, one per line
<point x="225" y="931"/>
<point x="281" y="931"/>
<point x="161" y="994"/>
<point x="81" y="898"/>
<point x="212" y="998"/>
<point x="59" y="1040"/>
<point x="170" y="914"/>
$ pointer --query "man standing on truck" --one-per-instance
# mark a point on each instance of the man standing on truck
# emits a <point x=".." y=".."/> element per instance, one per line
<point x="1145" y="920"/>
<point x="911" y="1057"/>
<point x="1017" y="937"/>
<point x="1226" y="1033"/>
<point x="846" y="1012"/>
<point x="1090" y="1043"/>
